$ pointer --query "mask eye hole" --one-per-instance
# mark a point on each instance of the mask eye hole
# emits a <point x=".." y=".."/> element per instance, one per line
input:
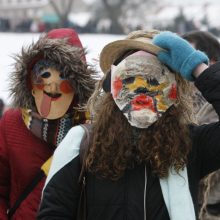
<point x="128" y="80"/>
<point x="46" y="75"/>
<point x="153" y="82"/>
<point x="62" y="76"/>
<point x="141" y="90"/>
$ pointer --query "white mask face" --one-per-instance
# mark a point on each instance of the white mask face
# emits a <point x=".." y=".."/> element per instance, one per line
<point x="142" y="88"/>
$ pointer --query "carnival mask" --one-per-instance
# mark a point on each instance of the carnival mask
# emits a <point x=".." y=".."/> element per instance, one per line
<point x="53" y="94"/>
<point x="142" y="88"/>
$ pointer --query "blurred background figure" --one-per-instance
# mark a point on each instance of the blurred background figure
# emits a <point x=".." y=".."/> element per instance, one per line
<point x="209" y="44"/>
<point x="209" y="195"/>
<point x="206" y="42"/>
<point x="107" y="16"/>
<point x="2" y="106"/>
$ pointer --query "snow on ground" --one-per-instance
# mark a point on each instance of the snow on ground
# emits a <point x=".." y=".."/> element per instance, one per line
<point x="11" y="43"/>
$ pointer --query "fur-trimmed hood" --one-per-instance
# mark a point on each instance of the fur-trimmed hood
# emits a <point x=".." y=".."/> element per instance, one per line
<point x="67" y="57"/>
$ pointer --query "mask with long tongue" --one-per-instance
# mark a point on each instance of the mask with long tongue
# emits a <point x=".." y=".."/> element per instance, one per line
<point x="45" y="105"/>
<point x="53" y="94"/>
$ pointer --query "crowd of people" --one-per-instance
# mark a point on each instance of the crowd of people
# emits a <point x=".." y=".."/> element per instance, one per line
<point x="140" y="143"/>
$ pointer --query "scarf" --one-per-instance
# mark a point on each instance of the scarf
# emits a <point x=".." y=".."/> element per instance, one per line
<point x="177" y="196"/>
<point x="53" y="131"/>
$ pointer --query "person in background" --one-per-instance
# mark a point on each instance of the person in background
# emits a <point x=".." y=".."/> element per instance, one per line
<point x="145" y="157"/>
<point x="50" y="85"/>
<point x="209" y="195"/>
<point x="209" y="44"/>
<point x="2" y="106"/>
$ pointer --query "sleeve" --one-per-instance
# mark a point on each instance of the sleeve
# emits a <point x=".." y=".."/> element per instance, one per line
<point x="206" y="137"/>
<point x="61" y="194"/>
<point x="4" y="172"/>
<point x="209" y="85"/>
<point x="206" y="147"/>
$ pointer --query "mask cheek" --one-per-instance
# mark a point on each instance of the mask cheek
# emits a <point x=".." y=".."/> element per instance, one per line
<point x="66" y="87"/>
<point x="40" y="87"/>
<point x="161" y="104"/>
<point x="173" y="92"/>
<point x="166" y="100"/>
<point x="36" y="89"/>
<point x="116" y="86"/>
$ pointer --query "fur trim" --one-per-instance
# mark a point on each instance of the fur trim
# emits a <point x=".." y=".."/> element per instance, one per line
<point x="67" y="58"/>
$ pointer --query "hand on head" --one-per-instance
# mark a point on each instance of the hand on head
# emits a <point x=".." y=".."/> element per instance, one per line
<point x="179" y="55"/>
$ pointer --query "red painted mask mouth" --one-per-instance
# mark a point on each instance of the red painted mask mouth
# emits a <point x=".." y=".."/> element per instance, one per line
<point x="143" y="101"/>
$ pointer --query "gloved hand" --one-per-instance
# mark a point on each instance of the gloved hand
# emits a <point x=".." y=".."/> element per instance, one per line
<point x="179" y="55"/>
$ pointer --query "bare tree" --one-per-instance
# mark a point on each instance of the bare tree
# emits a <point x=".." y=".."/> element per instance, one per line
<point x="114" y="11"/>
<point x="62" y="9"/>
<point x="124" y="15"/>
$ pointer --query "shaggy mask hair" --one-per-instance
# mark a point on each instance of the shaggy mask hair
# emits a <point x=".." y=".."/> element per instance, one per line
<point x="117" y="146"/>
<point x="65" y="56"/>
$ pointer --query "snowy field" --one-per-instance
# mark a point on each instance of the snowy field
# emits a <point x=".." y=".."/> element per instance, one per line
<point x="11" y="43"/>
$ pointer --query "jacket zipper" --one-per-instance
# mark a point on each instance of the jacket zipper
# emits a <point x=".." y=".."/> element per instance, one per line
<point x="125" y="197"/>
<point x="145" y="188"/>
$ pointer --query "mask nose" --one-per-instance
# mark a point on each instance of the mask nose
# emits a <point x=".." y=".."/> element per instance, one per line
<point x="52" y="88"/>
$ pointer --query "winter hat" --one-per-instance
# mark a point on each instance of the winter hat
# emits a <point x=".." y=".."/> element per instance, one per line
<point x="63" y="48"/>
<point x="136" y="40"/>
<point x="70" y="34"/>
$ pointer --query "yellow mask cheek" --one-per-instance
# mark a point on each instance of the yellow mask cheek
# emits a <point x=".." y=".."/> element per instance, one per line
<point x="161" y="105"/>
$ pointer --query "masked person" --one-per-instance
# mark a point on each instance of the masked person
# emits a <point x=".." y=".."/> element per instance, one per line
<point x="50" y="85"/>
<point x="145" y="157"/>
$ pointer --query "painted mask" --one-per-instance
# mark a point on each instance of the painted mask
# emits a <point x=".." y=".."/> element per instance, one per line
<point x="142" y="88"/>
<point x="53" y="94"/>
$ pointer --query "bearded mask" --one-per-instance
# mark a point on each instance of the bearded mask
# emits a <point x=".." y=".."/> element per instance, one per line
<point x="52" y="93"/>
<point x="142" y="88"/>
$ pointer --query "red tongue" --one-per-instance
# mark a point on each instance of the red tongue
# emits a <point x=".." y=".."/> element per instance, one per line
<point x="45" y="105"/>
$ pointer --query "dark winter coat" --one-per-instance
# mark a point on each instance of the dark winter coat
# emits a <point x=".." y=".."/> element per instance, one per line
<point x="124" y="199"/>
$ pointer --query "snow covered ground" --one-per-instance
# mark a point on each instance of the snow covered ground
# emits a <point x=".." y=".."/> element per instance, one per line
<point x="11" y="43"/>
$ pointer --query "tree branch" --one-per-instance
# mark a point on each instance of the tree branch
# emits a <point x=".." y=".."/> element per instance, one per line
<point x="56" y="9"/>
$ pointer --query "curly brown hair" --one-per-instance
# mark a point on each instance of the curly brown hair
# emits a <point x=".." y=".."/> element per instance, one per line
<point x="117" y="146"/>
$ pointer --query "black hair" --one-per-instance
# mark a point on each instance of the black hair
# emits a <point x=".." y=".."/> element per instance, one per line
<point x="205" y="42"/>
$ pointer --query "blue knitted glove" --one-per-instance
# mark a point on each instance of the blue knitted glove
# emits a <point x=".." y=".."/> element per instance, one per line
<point x="179" y="55"/>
